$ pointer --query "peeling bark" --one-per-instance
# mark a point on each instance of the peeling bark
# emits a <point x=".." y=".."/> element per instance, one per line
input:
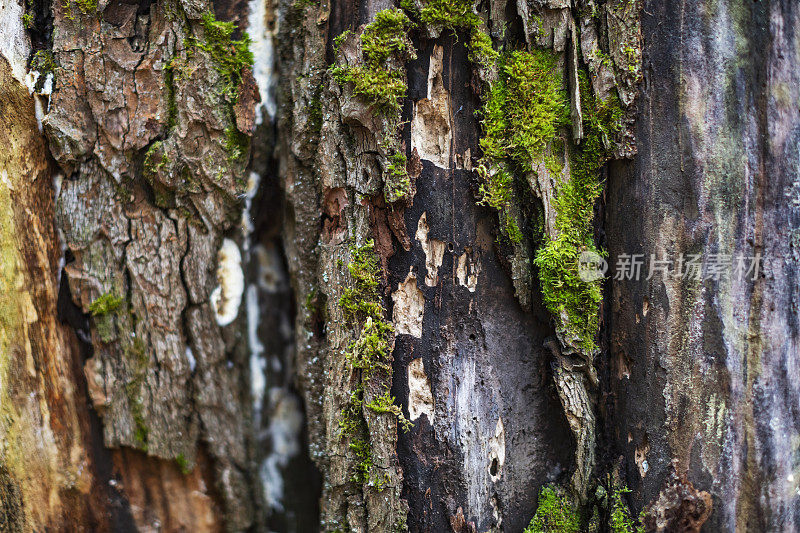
<point x="371" y="317"/>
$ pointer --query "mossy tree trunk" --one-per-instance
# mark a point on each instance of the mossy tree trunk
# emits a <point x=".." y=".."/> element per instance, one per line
<point x="386" y="281"/>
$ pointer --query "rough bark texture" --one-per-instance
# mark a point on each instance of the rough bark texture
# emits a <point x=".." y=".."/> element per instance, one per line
<point x="380" y="301"/>
<point x="469" y="348"/>
<point x="704" y="373"/>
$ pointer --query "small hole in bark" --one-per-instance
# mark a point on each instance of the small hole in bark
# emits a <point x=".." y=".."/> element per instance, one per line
<point x="493" y="467"/>
<point x="450" y="246"/>
<point x="472" y="337"/>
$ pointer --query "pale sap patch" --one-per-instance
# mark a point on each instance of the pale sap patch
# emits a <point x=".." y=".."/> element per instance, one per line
<point x="468" y="269"/>
<point x="285" y="428"/>
<point x="430" y="126"/>
<point x="261" y="29"/>
<point x="434" y="251"/>
<point x="420" y="398"/>
<point x="14" y="43"/>
<point x="497" y="451"/>
<point x="227" y="296"/>
<point x="640" y="456"/>
<point x="409" y="307"/>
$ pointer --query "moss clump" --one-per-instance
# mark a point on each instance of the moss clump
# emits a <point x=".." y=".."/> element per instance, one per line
<point x="183" y="464"/>
<point x="361" y="300"/>
<point x="458" y="14"/>
<point x="384" y="43"/>
<point x="384" y="404"/>
<point x="86" y="7"/>
<point x="555" y="514"/>
<point x="104" y="304"/>
<point x="497" y="191"/>
<point x="526" y="107"/>
<point x="27" y="20"/>
<point x="44" y="62"/>
<point x="523" y="112"/>
<point x="369" y="352"/>
<point x="230" y="56"/>
<point x="370" y="355"/>
<point x="339" y="40"/>
<point x="574" y="301"/>
<point x="153" y="161"/>
<point x="397" y="182"/>
<point x="621" y="520"/>
<point x="237" y="144"/>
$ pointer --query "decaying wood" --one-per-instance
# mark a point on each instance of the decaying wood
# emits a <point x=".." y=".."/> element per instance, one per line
<point x="175" y="344"/>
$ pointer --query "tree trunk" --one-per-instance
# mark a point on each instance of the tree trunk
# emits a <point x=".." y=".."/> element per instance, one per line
<point x="338" y="275"/>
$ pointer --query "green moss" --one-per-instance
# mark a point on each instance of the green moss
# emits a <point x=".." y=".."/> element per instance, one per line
<point x="369" y="354"/>
<point x="155" y="161"/>
<point x="361" y="299"/>
<point x="183" y="464"/>
<point x="458" y="14"/>
<point x="339" y="40"/>
<point x="237" y="144"/>
<point x="497" y="191"/>
<point x="86" y="7"/>
<point x="573" y="301"/>
<point x="315" y="113"/>
<point x="230" y="56"/>
<point x="480" y="48"/>
<point x="44" y="62"/>
<point x="363" y="453"/>
<point x="397" y="182"/>
<point x="104" y="304"/>
<point x="27" y="20"/>
<point x="555" y="514"/>
<point x="384" y="404"/>
<point x="450" y="14"/>
<point x="621" y="520"/>
<point x="380" y="81"/>
<point x="155" y="158"/>
<point x="525" y="108"/>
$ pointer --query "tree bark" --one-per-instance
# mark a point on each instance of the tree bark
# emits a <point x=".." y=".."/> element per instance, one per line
<point x="327" y="277"/>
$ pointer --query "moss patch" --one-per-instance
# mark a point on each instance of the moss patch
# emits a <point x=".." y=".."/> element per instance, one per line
<point x="44" y="62"/>
<point x="458" y="14"/>
<point x="105" y="304"/>
<point x="525" y="108"/>
<point x="384" y="44"/>
<point x="230" y="56"/>
<point x="621" y="520"/>
<point x="397" y="182"/>
<point x="370" y="355"/>
<point x="555" y="514"/>
<point x="183" y="464"/>
<point x="574" y="301"/>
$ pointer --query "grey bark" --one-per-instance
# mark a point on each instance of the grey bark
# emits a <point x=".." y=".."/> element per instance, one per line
<point x="704" y="372"/>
